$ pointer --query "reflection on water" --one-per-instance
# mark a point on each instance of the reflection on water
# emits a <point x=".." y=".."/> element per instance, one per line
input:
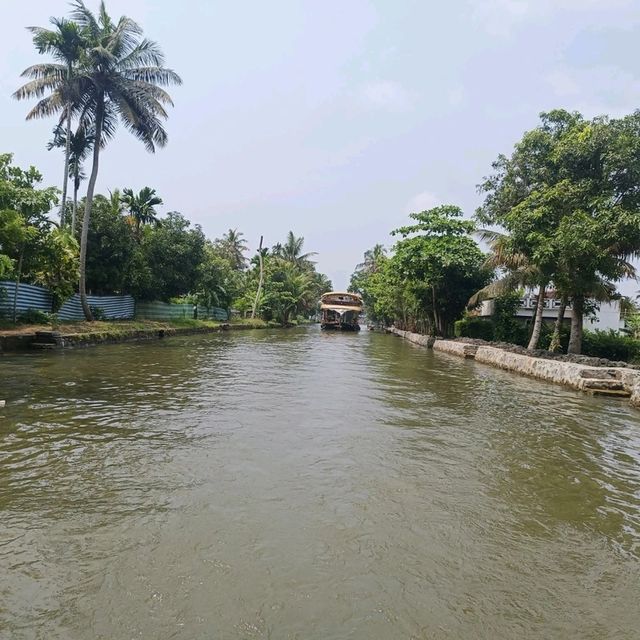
<point x="307" y="485"/>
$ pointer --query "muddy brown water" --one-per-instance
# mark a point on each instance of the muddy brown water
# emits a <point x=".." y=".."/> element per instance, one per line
<point x="297" y="484"/>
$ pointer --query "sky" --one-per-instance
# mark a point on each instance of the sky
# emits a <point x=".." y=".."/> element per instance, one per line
<point x="336" y="119"/>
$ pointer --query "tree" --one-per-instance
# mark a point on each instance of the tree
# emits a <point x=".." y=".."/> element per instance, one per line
<point x="14" y="232"/>
<point x="172" y="255"/>
<point x="442" y="263"/>
<point x="142" y="207"/>
<point x="23" y="208"/>
<point x="372" y="259"/>
<point x="114" y="261"/>
<point x="569" y="197"/>
<point x="289" y="291"/>
<point x="65" y="44"/>
<point x="78" y="146"/>
<point x="119" y="77"/>
<point x="291" y="251"/>
<point x="520" y="271"/>
<point x="232" y="246"/>
<point x="57" y="266"/>
<point x="364" y="280"/>
<point x="218" y="281"/>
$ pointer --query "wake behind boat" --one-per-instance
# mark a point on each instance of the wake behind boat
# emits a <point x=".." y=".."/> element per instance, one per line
<point x="340" y="311"/>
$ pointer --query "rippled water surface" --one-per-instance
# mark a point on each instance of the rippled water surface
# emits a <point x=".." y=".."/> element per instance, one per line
<point x="295" y="484"/>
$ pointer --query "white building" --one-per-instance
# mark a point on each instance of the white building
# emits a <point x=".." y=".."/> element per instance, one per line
<point x="607" y="317"/>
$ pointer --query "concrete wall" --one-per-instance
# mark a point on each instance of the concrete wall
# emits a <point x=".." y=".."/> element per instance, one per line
<point x="611" y="381"/>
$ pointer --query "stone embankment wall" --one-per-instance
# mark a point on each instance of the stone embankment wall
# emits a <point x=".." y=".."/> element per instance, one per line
<point x="611" y="381"/>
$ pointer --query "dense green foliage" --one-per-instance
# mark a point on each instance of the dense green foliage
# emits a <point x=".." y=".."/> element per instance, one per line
<point x="474" y="327"/>
<point x="569" y="200"/>
<point x="427" y="281"/>
<point x="32" y="247"/>
<point x="292" y="286"/>
<point x="143" y="254"/>
<point x="507" y="328"/>
<point x="611" y="345"/>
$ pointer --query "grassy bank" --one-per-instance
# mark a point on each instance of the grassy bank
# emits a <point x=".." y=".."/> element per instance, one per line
<point x="78" y="334"/>
<point x="117" y="327"/>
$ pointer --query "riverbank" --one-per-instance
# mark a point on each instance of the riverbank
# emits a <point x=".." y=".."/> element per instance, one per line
<point x="82" y="334"/>
<point x="597" y="380"/>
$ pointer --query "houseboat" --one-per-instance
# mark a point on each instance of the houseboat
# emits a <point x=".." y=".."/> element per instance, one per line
<point x="340" y="311"/>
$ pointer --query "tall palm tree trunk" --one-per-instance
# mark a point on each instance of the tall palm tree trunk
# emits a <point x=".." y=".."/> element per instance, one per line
<point x="87" y="210"/>
<point x="74" y="211"/>
<point x="537" y="323"/>
<point x="65" y="181"/>
<point x="575" y="340"/>
<point x="260" y="281"/>
<point x="555" y="345"/>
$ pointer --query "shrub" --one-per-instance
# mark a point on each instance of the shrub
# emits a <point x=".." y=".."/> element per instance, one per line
<point x="546" y="335"/>
<point x="610" y="345"/>
<point x="507" y="326"/>
<point x="34" y="316"/>
<point x="471" y="327"/>
<point x="98" y="313"/>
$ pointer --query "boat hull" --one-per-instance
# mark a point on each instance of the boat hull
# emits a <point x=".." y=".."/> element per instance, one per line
<point x="331" y="326"/>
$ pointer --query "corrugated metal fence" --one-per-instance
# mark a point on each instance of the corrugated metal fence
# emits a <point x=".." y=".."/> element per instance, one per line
<point x="29" y="297"/>
<point x="113" y="307"/>
<point x="168" y="311"/>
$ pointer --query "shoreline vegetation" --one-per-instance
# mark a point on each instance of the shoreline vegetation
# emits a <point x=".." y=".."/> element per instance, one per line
<point x="559" y="221"/>
<point x="101" y="73"/>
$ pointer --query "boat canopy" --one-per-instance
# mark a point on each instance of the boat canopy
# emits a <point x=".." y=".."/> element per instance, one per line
<point x="340" y="307"/>
<point x="341" y="301"/>
<point x="341" y="297"/>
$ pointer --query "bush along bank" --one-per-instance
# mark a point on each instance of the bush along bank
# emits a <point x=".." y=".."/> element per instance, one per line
<point x="590" y="375"/>
<point x="603" y="345"/>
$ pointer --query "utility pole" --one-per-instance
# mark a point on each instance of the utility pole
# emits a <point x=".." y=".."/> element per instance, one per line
<point x="260" y="281"/>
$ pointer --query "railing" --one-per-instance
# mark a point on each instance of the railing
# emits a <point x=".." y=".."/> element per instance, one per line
<point x="549" y="303"/>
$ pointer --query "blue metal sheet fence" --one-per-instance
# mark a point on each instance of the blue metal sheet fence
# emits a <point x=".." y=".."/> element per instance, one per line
<point x="168" y="311"/>
<point x="29" y="297"/>
<point x="113" y="307"/>
<point x="163" y="311"/>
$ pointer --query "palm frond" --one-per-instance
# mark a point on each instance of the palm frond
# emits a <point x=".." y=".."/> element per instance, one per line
<point x="154" y="75"/>
<point x="493" y="290"/>
<point x="47" y="107"/>
<point x="83" y="16"/>
<point x="146" y="53"/>
<point x="45" y="70"/>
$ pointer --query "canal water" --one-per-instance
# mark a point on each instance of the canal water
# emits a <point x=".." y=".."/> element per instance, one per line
<point x="303" y="485"/>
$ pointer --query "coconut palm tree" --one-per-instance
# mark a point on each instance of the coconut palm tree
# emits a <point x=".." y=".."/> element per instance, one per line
<point x="120" y="78"/>
<point x="79" y="145"/>
<point x="142" y="207"/>
<point x="291" y="251"/>
<point x="373" y="258"/>
<point x="65" y="44"/>
<point x="232" y="246"/>
<point x="520" y="272"/>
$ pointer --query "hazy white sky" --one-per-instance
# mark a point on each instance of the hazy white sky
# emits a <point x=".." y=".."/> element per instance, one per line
<point x="337" y="118"/>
